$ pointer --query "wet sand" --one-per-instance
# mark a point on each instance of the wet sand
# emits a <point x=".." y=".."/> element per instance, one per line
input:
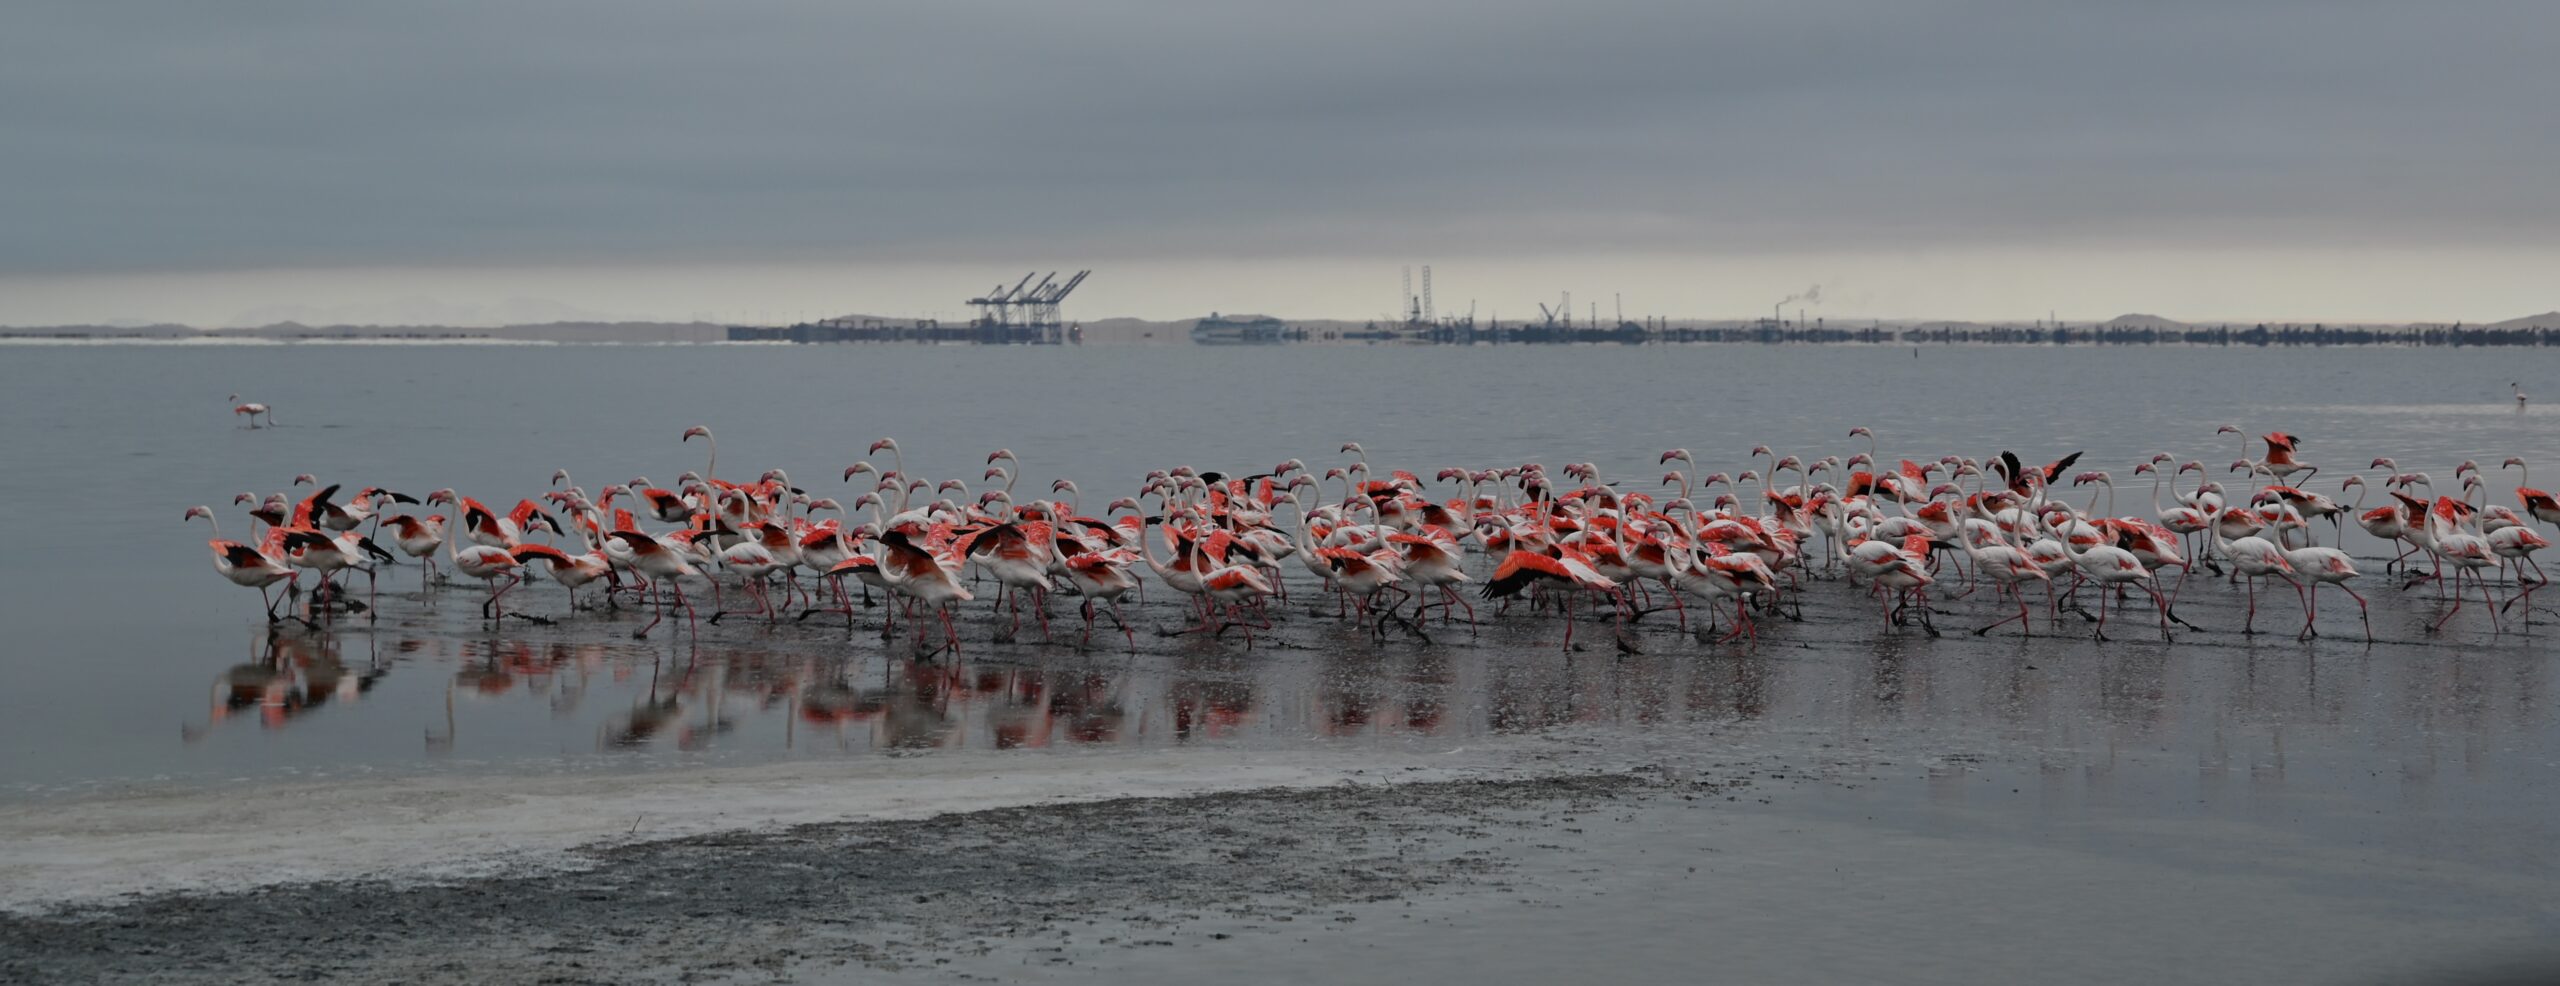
<point x="1845" y="801"/>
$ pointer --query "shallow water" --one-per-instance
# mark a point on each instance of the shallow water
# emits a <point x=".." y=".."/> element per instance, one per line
<point x="137" y="664"/>
<point x="2377" y="799"/>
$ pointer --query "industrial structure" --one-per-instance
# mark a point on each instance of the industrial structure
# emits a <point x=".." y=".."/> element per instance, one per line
<point x="1025" y="313"/>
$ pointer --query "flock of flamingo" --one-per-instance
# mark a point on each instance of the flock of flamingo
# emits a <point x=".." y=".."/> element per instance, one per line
<point x="1390" y="549"/>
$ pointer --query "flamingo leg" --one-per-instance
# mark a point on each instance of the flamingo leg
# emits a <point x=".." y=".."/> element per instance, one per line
<point x="2457" y="605"/>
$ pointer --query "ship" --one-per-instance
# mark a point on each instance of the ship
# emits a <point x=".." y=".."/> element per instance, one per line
<point x="1220" y="330"/>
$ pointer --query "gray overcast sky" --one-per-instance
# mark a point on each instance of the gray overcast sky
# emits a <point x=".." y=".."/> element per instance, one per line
<point x="214" y="161"/>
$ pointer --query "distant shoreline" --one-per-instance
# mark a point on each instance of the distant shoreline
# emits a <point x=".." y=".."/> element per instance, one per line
<point x="2132" y="330"/>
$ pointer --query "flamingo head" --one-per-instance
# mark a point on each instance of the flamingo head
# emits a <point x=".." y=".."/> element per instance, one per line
<point x="1724" y="501"/>
<point x="1354" y="447"/>
<point x="2513" y="462"/>
<point x="993" y="496"/>
<point x="1746" y="476"/>
<point x="2467" y="466"/>
<point x="1860" y="459"/>
<point x="1678" y="453"/>
<point x="1184" y="472"/>
<point x="1759" y="450"/>
<point x="2140" y="468"/>
<point x="1944" y="489"/>
<point x="1790" y="462"/>
<point x="1450" y="475"/>
<point x="2241" y="465"/>
<point x="2228" y="430"/>
<point x="857" y="469"/>
<point x="1670" y="478"/>
<point x="690" y="478"/>
<point x="947" y="486"/>
<point x="995" y="473"/>
<point x="867" y="500"/>
<point x="2159" y="457"/>
<point x="559" y="476"/>
<point x="1002" y="453"/>
<point x="2350" y="483"/>
<point x="1861" y="430"/>
<point x="306" y="479"/>
<point x="1129" y="503"/>
<point x="885" y="443"/>
<point x="241" y="498"/>
<point x="195" y="512"/>
<point x="440" y="498"/>
<point x="695" y="430"/>
<point x="1064" y="486"/>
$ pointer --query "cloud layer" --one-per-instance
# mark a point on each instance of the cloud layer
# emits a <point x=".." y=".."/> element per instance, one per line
<point x="189" y="136"/>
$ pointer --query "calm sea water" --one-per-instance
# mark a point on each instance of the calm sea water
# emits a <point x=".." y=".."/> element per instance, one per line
<point x="126" y="649"/>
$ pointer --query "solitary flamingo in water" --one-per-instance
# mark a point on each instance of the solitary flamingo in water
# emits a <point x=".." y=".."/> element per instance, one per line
<point x="245" y="565"/>
<point x="253" y="410"/>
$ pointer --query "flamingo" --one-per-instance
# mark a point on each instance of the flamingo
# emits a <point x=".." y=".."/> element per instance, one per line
<point x="2108" y="566"/>
<point x="1102" y="578"/>
<point x="1715" y="574"/>
<point x="2537" y="504"/>
<point x="1560" y="567"/>
<point x="253" y="410"/>
<point x="1906" y="574"/>
<point x="915" y="573"/>
<point x="712" y="467"/>
<point x="2009" y="569"/>
<point x="2465" y="551"/>
<point x="419" y="538"/>
<point x="244" y="565"/>
<point x="485" y="562"/>
<point x="2253" y="557"/>
<point x="2516" y="544"/>
<point x="2325" y="566"/>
